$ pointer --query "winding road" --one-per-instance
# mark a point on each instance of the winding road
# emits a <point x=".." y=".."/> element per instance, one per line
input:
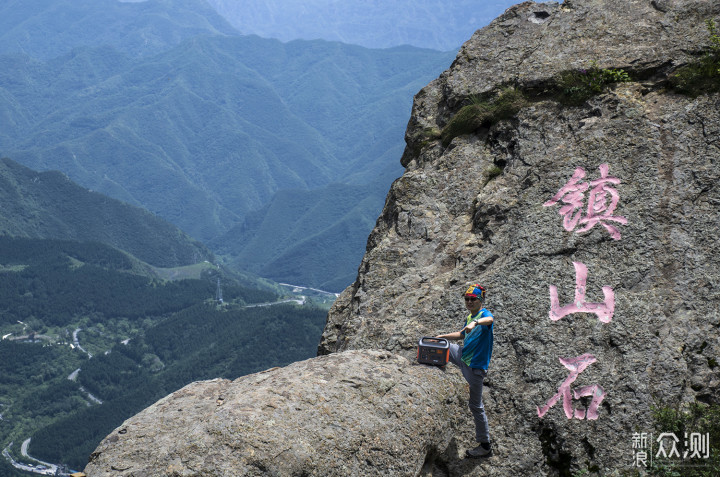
<point x="73" y="376"/>
<point x="76" y="342"/>
<point x="43" y="468"/>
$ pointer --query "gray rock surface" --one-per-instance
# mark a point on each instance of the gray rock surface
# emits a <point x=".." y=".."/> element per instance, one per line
<point x="448" y="222"/>
<point x="354" y="413"/>
<point x="479" y="210"/>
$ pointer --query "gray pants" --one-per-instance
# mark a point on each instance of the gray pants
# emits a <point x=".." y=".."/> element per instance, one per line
<point x="474" y="377"/>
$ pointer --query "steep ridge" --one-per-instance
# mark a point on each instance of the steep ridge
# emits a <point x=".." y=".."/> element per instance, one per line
<point x="48" y="205"/>
<point x="628" y="293"/>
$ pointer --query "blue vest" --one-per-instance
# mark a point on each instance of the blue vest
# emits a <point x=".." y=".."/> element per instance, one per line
<point x="478" y="344"/>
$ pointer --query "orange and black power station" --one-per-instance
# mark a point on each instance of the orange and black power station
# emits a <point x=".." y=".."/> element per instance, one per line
<point x="435" y="351"/>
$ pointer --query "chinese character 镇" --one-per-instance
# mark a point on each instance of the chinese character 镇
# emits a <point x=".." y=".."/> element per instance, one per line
<point x="602" y="201"/>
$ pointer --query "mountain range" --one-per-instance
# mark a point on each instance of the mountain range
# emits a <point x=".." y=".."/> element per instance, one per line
<point x="432" y="24"/>
<point x="203" y="126"/>
<point x="47" y="29"/>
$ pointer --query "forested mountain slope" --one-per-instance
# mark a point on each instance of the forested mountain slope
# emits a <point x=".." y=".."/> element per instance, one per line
<point x="49" y="205"/>
<point x="216" y="125"/>
<point x="315" y="236"/>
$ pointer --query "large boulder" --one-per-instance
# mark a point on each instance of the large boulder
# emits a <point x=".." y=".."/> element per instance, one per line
<point x="354" y="413"/>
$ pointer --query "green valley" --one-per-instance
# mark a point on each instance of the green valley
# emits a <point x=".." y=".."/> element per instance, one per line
<point x="92" y="333"/>
<point x="70" y="306"/>
<point x="203" y="126"/>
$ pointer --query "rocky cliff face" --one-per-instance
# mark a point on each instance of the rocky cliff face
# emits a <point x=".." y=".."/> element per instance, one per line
<point x="594" y="226"/>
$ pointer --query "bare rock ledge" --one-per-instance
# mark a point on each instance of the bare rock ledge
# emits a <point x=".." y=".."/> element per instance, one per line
<point x="352" y="413"/>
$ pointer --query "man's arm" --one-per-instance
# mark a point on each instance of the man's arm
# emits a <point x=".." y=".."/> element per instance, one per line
<point x="458" y="335"/>
<point x="487" y="320"/>
<point x="452" y="336"/>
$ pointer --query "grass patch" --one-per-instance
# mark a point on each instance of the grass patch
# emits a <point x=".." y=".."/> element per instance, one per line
<point x="494" y="171"/>
<point x="702" y="75"/>
<point x="423" y="138"/>
<point x="695" y="418"/>
<point x="483" y="113"/>
<point x="577" y="86"/>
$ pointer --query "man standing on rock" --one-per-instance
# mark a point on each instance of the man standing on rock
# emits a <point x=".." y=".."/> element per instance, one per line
<point x="473" y="359"/>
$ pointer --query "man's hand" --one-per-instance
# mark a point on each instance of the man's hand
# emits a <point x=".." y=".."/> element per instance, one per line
<point x="488" y="320"/>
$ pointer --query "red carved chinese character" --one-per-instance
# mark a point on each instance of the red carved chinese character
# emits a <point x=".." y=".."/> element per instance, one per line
<point x="603" y="199"/>
<point x="604" y="311"/>
<point x="576" y="366"/>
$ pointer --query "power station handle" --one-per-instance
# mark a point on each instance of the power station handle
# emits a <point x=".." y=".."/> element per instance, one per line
<point x="434" y="340"/>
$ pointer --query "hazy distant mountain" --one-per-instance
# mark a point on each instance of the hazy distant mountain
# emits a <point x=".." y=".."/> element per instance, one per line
<point x="437" y="24"/>
<point x="49" y="28"/>
<point x="300" y="237"/>
<point x="211" y="129"/>
<point x="48" y="205"/>
<point x="211" y="125"/>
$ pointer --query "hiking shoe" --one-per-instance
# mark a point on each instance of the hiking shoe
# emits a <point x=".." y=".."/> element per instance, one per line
<point x="483" y="450"/>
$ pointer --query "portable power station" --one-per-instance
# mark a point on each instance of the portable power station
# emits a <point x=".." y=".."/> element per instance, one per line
<point x="435" y="351"/>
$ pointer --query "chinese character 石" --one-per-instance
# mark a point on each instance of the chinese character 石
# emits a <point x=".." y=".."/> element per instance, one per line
<point x="699" y="445"/>
<point x="604" y="311"/>
<point x="576" y="366"/>
<point x="602" y="201"/>
<point x="661" y="449"/>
